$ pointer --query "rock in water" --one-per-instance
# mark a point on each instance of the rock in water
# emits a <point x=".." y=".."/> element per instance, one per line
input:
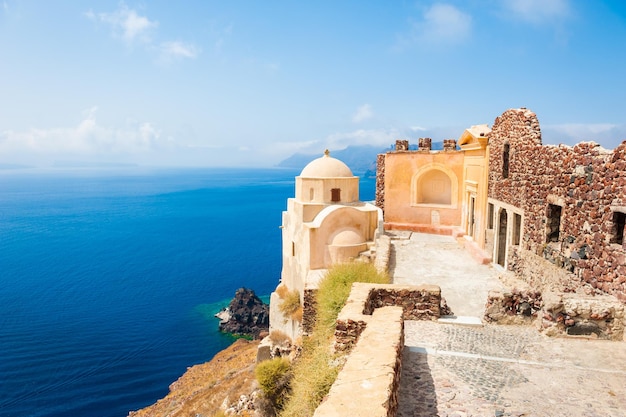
<point x="247" y="315"/>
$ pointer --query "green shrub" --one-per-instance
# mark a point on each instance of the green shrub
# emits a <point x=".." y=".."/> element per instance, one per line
<point x="316" y="369"/>
<point x="334" y="288"/>
<point x="274" y="376"/>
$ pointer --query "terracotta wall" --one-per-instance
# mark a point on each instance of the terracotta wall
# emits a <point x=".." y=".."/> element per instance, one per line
<point x="400" y="171"/>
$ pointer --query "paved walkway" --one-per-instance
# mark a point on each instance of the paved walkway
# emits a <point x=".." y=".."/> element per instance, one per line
<point x="452" y="370"/>
<point x="419" y="258"/>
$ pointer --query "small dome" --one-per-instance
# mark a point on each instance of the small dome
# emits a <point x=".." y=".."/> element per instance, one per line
<point x="326" y="167"/>
<point x="347" y="238"/>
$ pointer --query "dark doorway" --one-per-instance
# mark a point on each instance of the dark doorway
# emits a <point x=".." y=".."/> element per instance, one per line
<point x="502" y="227"/>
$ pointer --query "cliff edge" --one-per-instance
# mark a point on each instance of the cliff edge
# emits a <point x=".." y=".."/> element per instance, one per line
<point x="227" y="381"/>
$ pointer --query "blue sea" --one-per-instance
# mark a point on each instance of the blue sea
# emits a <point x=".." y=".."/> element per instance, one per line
<point x="109" y="279"/>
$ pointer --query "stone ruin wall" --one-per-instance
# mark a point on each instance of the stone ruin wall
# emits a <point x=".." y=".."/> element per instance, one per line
<point x="380" y="182"/>
<point x="585" y="180"/>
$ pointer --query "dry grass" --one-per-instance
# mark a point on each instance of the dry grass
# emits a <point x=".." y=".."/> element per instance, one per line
<point x="282" y="291"/>
<point x="316" y="369"/>
<point x="203" y="388"/>
<point x="290" y="305"/>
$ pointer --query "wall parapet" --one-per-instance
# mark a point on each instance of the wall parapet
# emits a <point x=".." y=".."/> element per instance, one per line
<point x="370" y="390"/>
<point x="374" y="317"/>
<point x="418" y="302"/>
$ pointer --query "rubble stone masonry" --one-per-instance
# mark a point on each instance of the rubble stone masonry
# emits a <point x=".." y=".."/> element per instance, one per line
<point x="380" y="181"/>
<point x="573" y="201"/>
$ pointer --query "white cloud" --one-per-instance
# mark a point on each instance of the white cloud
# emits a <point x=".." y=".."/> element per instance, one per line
<point x="440" y="24"/>
<point x="538" y="11"/>
<point x="87" y="138"/>
<point x="606" y="134"/>
<point x="363" y="113"/>
<point x="127" y="24"/>
<point x="382" y="137"/>
<point x="133" y="28"/>
<point x="176" y="49"/>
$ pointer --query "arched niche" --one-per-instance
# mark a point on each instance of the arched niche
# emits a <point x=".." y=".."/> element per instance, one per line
<point x="434" y="185"/>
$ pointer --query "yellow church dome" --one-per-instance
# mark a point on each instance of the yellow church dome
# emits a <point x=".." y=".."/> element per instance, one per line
<point x="326" y="167"/>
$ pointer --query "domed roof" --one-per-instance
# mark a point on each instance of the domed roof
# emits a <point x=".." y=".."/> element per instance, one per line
<point x="326" y="167"/>
<point x="348" y="238"/>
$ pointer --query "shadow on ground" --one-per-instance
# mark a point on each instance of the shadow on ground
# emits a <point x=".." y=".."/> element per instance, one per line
<point x="417" y="396"/>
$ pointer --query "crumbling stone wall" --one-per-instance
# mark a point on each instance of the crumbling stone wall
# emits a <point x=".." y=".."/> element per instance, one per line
<point x="424" y="144"/>
<point x="422" y="302"/>
<point x="380" y="182"/>
<point x="418" y="303"/>
<point x="449" y="145"/>
<point x="512" y="307"/>
<point x="569" y="314"/>
<point x="587" y="182"/>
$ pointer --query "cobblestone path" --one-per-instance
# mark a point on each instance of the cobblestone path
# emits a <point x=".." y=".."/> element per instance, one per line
<point x="450" y="370"/>
<point x="454" y="371"/>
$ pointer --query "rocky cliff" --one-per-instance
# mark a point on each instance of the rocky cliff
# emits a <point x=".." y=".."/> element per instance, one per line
<point x="246" y="315"/>
<point x="227" y="382"/>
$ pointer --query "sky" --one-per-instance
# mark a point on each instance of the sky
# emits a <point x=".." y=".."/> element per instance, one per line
<point x="249" y="83"/>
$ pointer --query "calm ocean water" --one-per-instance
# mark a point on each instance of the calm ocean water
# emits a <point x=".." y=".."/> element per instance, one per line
<point x="109" y="280"/>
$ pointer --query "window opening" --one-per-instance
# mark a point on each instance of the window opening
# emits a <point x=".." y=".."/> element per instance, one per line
<point x="293" y="248"/>
<point x="554" y="223"/>
<point x="619" y="220"/>
<point x="335" y="195"/>
<point x="505" y="160"/>
<point x="490" y="216"/>
<point x="517" y="228"/>
<point x="311" y="194"/>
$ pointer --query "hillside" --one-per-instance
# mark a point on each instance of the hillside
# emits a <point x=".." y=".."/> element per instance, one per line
<point x="358" y="158"/>
<point x="361" y="159"/>
<point x="208" y="388"/>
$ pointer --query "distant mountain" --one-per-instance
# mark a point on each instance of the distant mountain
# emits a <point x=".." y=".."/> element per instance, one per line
<point x="361" y="159"/>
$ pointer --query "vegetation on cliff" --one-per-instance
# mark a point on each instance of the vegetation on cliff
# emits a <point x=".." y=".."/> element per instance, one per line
<point x="207" y="389"/>
<point x="315" y="370"/>
<point x="227" y="384"/>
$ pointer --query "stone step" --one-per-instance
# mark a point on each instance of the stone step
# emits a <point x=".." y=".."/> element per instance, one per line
<point x="461" y="320"/>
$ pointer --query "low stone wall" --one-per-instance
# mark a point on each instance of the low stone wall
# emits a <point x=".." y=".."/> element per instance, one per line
<point x="383" y="251"/>
<point x="513" y="307"/>
<point x="576" y="315"/>
<point x="559" y="314"/>
<point x="374" y="317"/>
<point x="368" y="383"/>
<point x="418" y="303"/>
